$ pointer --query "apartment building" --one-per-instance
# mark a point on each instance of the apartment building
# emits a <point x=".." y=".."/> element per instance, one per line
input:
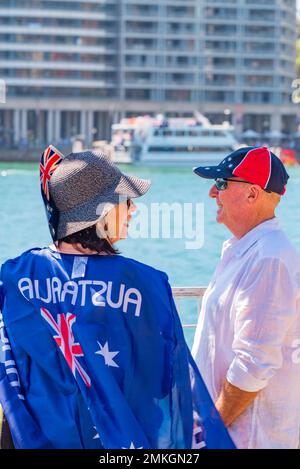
<point x="73" y="67"/>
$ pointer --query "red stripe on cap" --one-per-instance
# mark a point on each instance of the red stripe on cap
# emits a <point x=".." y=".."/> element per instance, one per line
<point x="255" y="167"/>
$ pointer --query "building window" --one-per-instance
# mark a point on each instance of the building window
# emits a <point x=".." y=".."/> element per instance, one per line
<point x="178" y="95"/>
<point x="138" y="94"/>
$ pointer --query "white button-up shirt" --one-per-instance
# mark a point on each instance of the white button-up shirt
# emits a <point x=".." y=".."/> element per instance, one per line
<point x="249" y="333"/>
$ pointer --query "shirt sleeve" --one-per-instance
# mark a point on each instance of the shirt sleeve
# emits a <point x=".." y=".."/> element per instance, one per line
<point x="265" y="309"/>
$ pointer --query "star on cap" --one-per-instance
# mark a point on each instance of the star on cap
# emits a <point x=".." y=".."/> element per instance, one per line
<point x="107" y="355"/>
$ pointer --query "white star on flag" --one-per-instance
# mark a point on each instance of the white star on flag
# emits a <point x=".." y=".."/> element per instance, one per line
<point x="97" y="434"/>
<point x="132" y="446"/>
<point x="108" y="356"/>
<point x="197" y="444"/>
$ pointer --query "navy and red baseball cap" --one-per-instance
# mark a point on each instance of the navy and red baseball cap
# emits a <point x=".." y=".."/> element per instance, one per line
<point x="257" y="165"/>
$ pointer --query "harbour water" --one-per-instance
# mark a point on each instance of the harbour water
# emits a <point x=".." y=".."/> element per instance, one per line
<point x="23" y="222"/>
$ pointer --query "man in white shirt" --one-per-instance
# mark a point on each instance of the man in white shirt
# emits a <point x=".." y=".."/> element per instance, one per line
<point x="247" y="342"/>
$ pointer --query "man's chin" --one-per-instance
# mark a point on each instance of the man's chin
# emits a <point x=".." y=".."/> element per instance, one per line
<point x="219" y="218"/>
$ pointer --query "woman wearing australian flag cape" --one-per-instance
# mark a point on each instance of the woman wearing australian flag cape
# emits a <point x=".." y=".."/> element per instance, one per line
<point x="93" y="353"/>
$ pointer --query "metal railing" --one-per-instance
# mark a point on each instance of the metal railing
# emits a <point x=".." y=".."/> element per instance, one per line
<point x="180" y="293"/>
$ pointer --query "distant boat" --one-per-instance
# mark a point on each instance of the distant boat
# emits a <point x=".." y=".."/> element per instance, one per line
<point x="160" y="141"/>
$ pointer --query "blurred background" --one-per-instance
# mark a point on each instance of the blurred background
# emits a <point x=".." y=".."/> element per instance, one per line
<point x="74" y="68"/>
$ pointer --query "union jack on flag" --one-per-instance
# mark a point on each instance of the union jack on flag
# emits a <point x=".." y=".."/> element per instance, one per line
<point x="49" y="163"/>
<point x="65" y="341"/>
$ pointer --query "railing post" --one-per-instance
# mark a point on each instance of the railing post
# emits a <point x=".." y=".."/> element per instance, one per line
<point x="188" y="292"/>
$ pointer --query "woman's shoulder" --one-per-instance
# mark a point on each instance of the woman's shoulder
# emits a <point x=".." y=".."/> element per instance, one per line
<point x="25" y="258"/>
<point x="140" y="266"/>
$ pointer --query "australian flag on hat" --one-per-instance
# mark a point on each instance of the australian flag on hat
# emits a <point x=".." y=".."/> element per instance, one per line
<point x="50" y="160"/>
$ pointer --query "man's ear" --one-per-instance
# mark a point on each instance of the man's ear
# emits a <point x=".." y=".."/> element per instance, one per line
<point x="253" y="193"/>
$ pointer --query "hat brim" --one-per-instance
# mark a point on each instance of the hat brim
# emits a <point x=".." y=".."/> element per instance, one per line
<point x="212" y="172"/>
<point x="87" y="214"/>
<point x="132" y="186"/>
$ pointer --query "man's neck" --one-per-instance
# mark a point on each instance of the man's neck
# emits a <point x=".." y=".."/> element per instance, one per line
<point x="241" y="231"/>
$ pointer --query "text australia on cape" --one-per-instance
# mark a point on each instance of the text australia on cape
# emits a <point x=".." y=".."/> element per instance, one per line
<point x="99" y="293"/>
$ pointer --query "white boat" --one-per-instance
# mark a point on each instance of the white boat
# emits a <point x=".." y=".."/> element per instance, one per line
<point x="159" y="141"/>
<point x="123" y="136"/>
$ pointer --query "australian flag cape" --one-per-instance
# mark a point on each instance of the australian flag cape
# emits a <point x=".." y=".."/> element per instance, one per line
<point x="93" y="356"/>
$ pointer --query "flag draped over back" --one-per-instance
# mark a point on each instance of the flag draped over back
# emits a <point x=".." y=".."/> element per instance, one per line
<point x="93" y="356"/>
<point x="50" y="160"/>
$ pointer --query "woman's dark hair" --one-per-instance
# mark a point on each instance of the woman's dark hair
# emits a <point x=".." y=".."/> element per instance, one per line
<point x="89" y="239"/>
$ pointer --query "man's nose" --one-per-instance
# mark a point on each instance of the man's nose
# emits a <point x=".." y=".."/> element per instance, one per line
<point x="213" y="193"/>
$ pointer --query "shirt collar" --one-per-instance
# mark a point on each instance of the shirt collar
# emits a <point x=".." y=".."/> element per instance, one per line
<point x="240" y="246"/>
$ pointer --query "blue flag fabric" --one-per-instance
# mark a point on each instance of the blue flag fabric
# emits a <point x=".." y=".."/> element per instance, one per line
<point x="93" y="356"/>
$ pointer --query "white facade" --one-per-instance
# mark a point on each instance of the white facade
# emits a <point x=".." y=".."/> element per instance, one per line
<point x="73" y="67"/>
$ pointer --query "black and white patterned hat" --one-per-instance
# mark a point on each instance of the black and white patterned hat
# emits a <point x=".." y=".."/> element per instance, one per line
<point x="84" y="188"/>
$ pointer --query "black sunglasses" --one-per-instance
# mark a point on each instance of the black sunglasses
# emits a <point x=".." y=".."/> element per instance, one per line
<point x="222" y="183"/>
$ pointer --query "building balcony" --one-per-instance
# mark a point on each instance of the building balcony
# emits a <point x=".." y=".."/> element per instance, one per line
<point x="219" y="96"/>
<point x="67" y="48"/>
<point x="276" y="71"/>
<point x="260" y="3"/>
<point x="61" y="93"/>
<point x="220" y="35"/>
<point x="51" y="65"/>
<point x="220" y="68"/>
<point x="191" y="82"/>
<point x="245" y="69"/>
<point x="211" y="49"/>
<point x="259" y="21"/>
<point x="219" y="86"/>
<point x="140" y="47"/>
<point x="222" y="3"/>
<point x="220" y="83"/>
<point x="145" y="17"/>
<point x="135" y="34"/>
<point x="260" y="35"/>
<point x="177" y="68"/>
<point x="60" y="41"/>
<point x="259" y="53"/>
<point x="45" y="82"/>
<point x="261" y="17"/>
<point x="140" y="64"/>
<point x="72" y="6"/>
<point x="58" y="31"/>
<point x="187" y="3"/>
<point x="55" y="13"/>
<point x="265" y="85"/>
<point x="221" y="17"/>
<point x="180" y="32"/>
<point x="167" y="2"/>
<point x="258" y="89"/>
<point x="172" y="14"/>
<point x="159" y="84"/>
<point x="181" y="52"/>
